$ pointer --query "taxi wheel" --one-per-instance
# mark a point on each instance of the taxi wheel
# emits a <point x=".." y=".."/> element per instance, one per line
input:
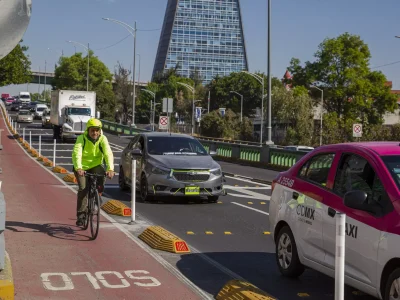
<point x="286" y="254"/>
<point x="392" y="289"/>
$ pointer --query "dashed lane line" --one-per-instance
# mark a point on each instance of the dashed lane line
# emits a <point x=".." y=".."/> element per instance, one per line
<point x="251" y="208"/>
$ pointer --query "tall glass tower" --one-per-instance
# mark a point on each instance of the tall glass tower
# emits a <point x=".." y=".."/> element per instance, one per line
<point x="204" y="36"/>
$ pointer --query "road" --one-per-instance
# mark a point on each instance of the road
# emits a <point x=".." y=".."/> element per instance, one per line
<point x="232" y="235"/>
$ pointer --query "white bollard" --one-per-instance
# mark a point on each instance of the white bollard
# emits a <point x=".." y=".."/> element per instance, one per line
<point x="23" y="134"/>
<point x="54" y="153"/>
<point x="133" y="191"/>
<point x="40" y="145"/>
<point x="30" y="139"/>
<point x="340" y="255"/>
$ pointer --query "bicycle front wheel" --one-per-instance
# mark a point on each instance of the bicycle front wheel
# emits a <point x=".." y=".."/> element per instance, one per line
<point x="95" y="215"/>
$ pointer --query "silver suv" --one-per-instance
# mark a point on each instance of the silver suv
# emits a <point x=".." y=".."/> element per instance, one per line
<point x="170" y="165"/>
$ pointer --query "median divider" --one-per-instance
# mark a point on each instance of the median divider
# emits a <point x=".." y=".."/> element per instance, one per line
<point x="70" y="178"/>
<point x="58" y="169"/>
<point x="161" y="239"/>
<point x="243" y="290"/>
<point x="6" y="280"/>
<point x="115" y="207"/>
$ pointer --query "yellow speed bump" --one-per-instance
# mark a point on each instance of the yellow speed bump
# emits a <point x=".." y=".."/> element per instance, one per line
<point x="20" y="139"/>
<point x="239" y="289"/>
<point x="116" y="207"/>
<point x="6" y="280"/>
<point x="48" y="163"/>
<point x="34" y="153"/>
<point x="40" y="158"/>
<point x="58" y="169"/>
<point x="161" y="239"/>
<point x="70" y="178"/>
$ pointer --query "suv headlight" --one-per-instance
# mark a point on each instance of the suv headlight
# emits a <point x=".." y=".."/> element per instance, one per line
<point x="160" y="171"/>
<point x="216" y="172"/>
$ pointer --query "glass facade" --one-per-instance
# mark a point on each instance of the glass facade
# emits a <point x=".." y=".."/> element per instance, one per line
<point x="204" y="36"/>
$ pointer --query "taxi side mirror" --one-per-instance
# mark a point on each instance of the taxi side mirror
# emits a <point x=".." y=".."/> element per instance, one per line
<point x="355" y="199"/>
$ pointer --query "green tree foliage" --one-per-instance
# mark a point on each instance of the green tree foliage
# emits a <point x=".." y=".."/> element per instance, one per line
<point x="352" y="92"/>
<point x="123" y="92"/>
<point x="15" y="67"/>
<point x="293" y="110"/>
<point x="244" y="84"/>
<point x="71" y="74"/>
<point x="227" y="127"/>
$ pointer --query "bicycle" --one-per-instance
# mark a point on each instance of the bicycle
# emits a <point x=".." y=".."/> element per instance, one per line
<point x="93" y="210"/>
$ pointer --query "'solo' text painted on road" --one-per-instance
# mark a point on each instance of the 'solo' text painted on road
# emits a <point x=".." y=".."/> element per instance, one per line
<point x="142" y="281"/>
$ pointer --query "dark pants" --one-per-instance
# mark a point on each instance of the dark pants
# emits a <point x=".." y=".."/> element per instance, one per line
<point x="83" y="189"/>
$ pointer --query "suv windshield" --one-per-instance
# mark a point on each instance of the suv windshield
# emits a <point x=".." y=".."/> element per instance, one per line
<point x="392" y="163"/>
<point x="167" y="145"/>
<point x="24" y="96"/>
<point x="40" y="108"/>
<point x="80" y="111"/>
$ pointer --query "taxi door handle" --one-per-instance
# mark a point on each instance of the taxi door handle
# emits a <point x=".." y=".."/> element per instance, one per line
<point x="295" y="195"/>
<point x="331" y="212"/>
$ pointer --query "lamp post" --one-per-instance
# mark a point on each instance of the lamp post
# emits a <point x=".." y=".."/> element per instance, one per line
<point x="260" y="80"/>
<point x="88" y="61"/>
<point x="190" y="88"/>
<point x="269" y="127"/>
<point x="153" y="106"/>
<point x="241" y="105"/>
<point x="322" y="108"/>
<point x="132" y="31"/>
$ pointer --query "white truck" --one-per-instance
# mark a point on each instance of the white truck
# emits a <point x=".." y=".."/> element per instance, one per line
<point x="70" y="111"/>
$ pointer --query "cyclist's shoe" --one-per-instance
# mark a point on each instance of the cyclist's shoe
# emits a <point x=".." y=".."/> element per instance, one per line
<point x="80" y="220"/>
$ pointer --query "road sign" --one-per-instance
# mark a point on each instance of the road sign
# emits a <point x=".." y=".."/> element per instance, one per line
<point x="357" y="130"/>
<point x="198" y="113"/>
<point x="167" y="105"/>
<point x="163" y="124"/>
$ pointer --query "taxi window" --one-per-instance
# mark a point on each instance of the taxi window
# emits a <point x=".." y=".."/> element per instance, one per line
<point x="355" y="173"/>
<point x="317" y="168"/>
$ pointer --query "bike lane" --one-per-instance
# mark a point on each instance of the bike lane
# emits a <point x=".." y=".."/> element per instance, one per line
<point x="53" y="259"/>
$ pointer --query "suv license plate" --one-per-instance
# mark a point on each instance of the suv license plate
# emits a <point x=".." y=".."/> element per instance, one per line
<point x="192" y="190"/>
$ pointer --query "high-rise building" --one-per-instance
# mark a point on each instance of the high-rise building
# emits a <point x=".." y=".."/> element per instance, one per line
<point x="202" y="36"/>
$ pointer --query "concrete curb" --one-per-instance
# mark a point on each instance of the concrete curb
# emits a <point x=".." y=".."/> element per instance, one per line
<point x="247" y="178"/>
<point x="7" y="281"/>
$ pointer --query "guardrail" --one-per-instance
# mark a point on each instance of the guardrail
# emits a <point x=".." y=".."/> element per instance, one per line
<point x="230" y="150"/>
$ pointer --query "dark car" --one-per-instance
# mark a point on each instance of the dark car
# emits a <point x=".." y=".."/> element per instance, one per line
<point x="170" y="165"/>
<point x="16" y="106"/>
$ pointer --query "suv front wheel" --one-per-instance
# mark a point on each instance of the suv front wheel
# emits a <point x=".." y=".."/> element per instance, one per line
<point x="286" y="254"/>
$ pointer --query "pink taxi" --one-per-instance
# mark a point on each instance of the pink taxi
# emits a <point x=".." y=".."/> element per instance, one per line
<point x="361" y="180"/>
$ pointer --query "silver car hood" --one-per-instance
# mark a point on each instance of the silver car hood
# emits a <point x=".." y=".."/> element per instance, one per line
<point x="184" y="161"/>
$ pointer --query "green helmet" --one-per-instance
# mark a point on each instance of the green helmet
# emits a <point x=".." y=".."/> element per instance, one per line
<point x="94" y="123"/>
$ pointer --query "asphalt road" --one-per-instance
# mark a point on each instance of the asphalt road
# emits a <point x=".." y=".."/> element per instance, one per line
<point x="231" y="235"/>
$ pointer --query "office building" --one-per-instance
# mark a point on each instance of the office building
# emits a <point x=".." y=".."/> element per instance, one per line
<point x="203" y="36"/>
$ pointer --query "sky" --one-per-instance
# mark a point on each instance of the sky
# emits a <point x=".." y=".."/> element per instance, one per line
<point x="297" y="28"/>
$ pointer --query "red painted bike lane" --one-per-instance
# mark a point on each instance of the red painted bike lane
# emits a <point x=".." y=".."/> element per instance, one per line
<point x="53" y="259"/>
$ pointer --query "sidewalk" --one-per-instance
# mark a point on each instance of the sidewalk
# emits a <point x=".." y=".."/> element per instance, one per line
<point x="53" y="259"/>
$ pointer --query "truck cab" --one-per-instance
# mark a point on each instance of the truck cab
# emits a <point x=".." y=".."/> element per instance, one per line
<point x="76" y="118"/>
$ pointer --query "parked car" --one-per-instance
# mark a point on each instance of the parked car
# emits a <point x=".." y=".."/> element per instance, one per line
<point x="46" y="118"/>
<point x="361" y="180"/>
<point x="170" y="165"/>
<point x="24" y="116"/>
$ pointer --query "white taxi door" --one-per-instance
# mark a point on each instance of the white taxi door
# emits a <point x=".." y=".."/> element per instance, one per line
<point x="362" y="239"/>
<point x="308" y="211"/>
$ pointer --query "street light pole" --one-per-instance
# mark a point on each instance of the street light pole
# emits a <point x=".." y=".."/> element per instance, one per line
<point x="241" y="105"/>
<point x="88" y="59"/>
<point x="193" y="91"/>
<point x="153" y="110"/>
<point x="260" y="80"/>
<point x="322" y="109"/>
<point x="269" y="127"/>
<point x="132" y="31"/>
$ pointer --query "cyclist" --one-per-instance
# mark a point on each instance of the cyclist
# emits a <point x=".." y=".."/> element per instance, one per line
<point x="90" y="150"/>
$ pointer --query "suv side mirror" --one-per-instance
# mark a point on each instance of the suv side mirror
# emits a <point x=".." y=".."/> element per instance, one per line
<point x="136" y="152"/>
<point x="213" y="153"/>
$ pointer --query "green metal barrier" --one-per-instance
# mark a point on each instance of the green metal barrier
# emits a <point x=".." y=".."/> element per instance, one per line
<point x="284" y="158"/>
<point x="224" y="150"/>
<point x="121" y="129"/>
<point x="250" y="154"/>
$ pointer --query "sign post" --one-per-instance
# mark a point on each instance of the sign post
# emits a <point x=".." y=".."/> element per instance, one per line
<point x="168" y="108"/>
<point x="357" y="130"/>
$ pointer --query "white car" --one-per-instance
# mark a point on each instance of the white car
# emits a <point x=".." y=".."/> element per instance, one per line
<point x="361" y="180"/>
<point x="38" y="110"/>
<point x="46" y="118"/>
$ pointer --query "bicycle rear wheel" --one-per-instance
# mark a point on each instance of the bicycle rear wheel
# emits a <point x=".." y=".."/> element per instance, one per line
<point x="95" y="215"/>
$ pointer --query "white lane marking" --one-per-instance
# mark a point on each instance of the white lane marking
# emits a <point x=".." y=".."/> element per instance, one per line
<point x="255" y="195"/>
<point x="100" y="276"/>
<point x="117" y="146"/>
<point x="145" y="247"/>
<point x="68" y="285"/>
<point x="154" y="282"/>
<point x="245" y="180"/>
<point x="248" y="207"/>
<point x="230" y="187"/>
<point x="90" y="277"/>
<point x="245" y="196"/>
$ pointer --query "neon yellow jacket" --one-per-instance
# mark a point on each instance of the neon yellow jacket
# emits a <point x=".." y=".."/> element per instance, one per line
<point x="93" y="154"/>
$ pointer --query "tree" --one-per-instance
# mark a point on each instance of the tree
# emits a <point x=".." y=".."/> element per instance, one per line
<point x="15" y="67"/>
<point x="123" y="92"/>
<point x="71" y="74"/>
<point x="352" y="92"/>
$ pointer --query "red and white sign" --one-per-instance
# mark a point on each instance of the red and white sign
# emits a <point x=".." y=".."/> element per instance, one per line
<point x="357" y="130"/>
<point x="163" y="123"/>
